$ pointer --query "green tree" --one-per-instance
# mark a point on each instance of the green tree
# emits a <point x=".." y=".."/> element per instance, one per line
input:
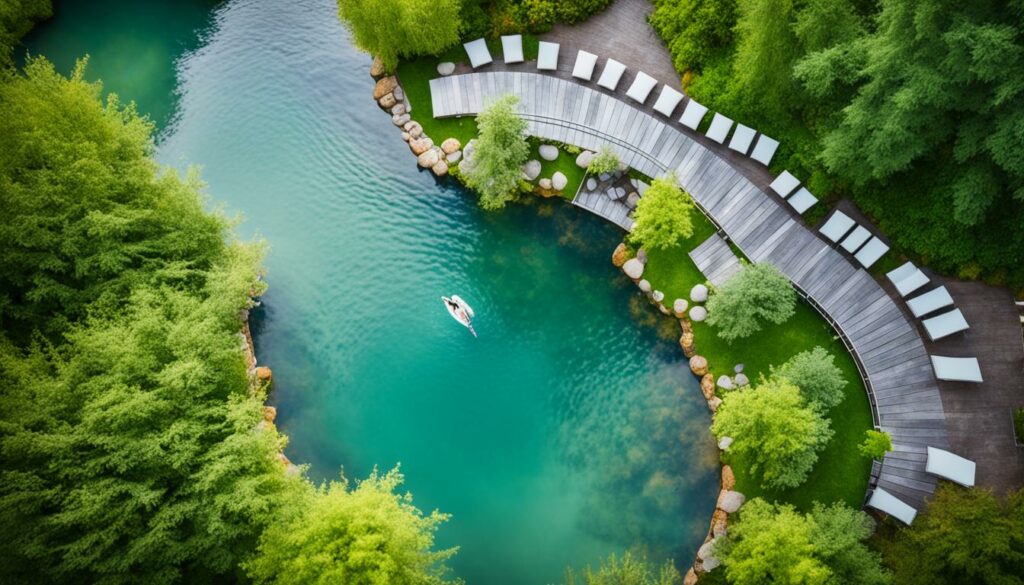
<point x="401" y="28"/>
<point x="696" y="31"/>
<point x="499" y="153"/>
<point x="363" y="535"/>
<point x="876" y="444"/>
<point x="16" y="18"/>
<point x="604" y="161"/>
<point x="964" y="536"/>
<point x="759" y="293"/>
<point x="766" y="47"/>
<point x="774" y="431"/>
<point x="776" y="544"/>
<point x="820" y="381"/>
<point x="662" y="217"/>
<point x="629" y="570"/>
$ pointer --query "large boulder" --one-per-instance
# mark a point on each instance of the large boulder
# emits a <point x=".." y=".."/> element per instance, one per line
<point x="377" y="68"/>
<point x="707" y="386"/>
<point x="591" y="184"/>
<point x="633" y="268"/>
<point x="699" y="293"/>
<point x="384" y="86"/>
<point x="690" y="578"/>
<point x="441" y="168"/>
<point x="531" y="170"/>
<point x="724" y="443"/>
<point x="730" y="501"/>
<point x="620" y="255"/>
<point x="428" y="159"/>
<point x="641" y="255"/>
<point x="548" y="151"/>
<point x="451" y="145"/>
<point x="725" y="383"/>
<point x="658" y="296"/>
<point x="465" y="166"/>
<point x="710" y="564"/>
<point x="645" y="285"/>
<point x="467" y="151"/>
<point x="679" y="308"/>
<point x="413" y="128"/>
<point x="264" y="374"/>
<point x="686" y="342"/>
<point x="398" y="110"/>
<point x="719" y="523"/>
<point x="728" y="478"/>
<point x="559" y="180"/>
<point x="454" y="157"/>
<point x="420" y="145"/>
<point x="388" y="101"/>
<point x="741" y="379"/>
<point x="698" y="313"/>
<point x="445" y="68"/>
<point x="584" y="158"/>
<point x="406" y="137"/>
<point x="400" y="96"/>
<point x="706" y="549"/>
<point x="544" y="183"/>
<point x="714" y="403"/>
<point x="698" y="365"/>
<point x="269" y="413"/>
<point x="401" y="119"/>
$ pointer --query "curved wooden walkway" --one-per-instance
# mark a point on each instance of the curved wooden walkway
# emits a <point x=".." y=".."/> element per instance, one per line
<point x="893" y="360"/>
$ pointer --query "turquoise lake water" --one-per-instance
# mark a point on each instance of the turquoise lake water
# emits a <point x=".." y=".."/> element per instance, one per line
<point x="566" y="432"/>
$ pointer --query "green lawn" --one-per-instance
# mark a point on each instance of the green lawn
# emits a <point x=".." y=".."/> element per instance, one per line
<point x="566" y="162"/>
<point x="841" y="473"/>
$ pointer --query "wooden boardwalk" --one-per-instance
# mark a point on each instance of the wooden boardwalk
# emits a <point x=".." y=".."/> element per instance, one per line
<point x="599" y="203"/>
<point x="716" y="260"/>
<point x="887" y="347"/>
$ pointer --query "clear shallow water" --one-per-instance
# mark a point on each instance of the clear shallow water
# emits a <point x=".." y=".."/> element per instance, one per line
<point x="565" y="432"/>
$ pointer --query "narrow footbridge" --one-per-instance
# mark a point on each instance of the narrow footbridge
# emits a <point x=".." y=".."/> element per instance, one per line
<point x="887" y="347"/>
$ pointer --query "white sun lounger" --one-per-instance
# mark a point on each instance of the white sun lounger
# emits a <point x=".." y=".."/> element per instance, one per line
<point x="837" y="226"/>
<point x="512" y="48"/>
<point x="956" y="369"/>
<point x="693" y="114"/>
<point x="950" y="466"/>
<point x="719" y="129"/>
<point x="871" y="252"/>
<point x="641" y="87"/>
<point x="856" y="239"/>
<point x="784" y="184"/>
<point x="945" y="324"/>
<point x="611" y="74"/>
<point x="891" y="505"/>
<point x="547" y="56"/>
<point x="802" y="200"/>
<point x="764" y="150"/>
<point x="478" y="53"/>
<point x="667" y="101"/>
<point x="930" y="301"/>
<point x="584" y="67"/>
<point x="907" y="278"/>
<point x="741" y="138"/>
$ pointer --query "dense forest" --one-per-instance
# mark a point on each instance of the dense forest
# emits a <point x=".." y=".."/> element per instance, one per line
<point x="914" y="109"/>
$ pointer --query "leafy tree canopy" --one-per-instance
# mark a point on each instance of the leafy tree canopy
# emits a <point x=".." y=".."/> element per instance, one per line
<point x="757" y="294"/>
<point x="773" y="431"/>
<point x="401" y="28"/>
<point x="876" y="444"/>
<point x="820" y="381"/>
<point x="628" y="570"/>
<point x="499" y="153"/>
<point x="662" y="215"/>
<point x="696" y="30"/>
<point x="16" y="19"/>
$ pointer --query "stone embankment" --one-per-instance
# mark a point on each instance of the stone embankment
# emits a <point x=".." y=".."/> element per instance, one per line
<point x="687" y="311"/>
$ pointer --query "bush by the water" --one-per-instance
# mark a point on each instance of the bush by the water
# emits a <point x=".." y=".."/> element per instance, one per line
<point x="499" y="153"/>
<point x="663" y="215"/>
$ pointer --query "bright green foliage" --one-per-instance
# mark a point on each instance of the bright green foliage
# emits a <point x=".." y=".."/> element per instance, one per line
<point x="87" y="213"/>
<point x="696" y="30"/>
<point x="604" y="161"/>
<point x="776" y="544"/>
<point x="965" y="536"/>
<point x="820" y="381"/>
<point x="876" y="444"/>
<point x="774" y="429"/>
<point x="363" y="536"/>
<point x="498" y="153"/>
<point x="820" y="24"/>
<point x="663" y="215"/>
<point x="16" y="19"/>
<point x="629" y="570"/>
<point x="401" y="28"/>
<point x="756" y="294"/>
<point x="762" y="85"/>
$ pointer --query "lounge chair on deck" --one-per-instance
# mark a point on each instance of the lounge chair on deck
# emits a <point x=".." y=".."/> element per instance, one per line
<point x="891" y="505"/>
<point x="764" y="150"/>
<point x="871" y="252"/>
<point x="584" y="67"/>
<point x="784" y="184"/>
<point x="512" y="48"/>
<point x="907" y="278"/>
<point x="802" y="200"/>
<point x="954" y="369"/>
<point x="945" y="324"/>
<point x="641" y="87"/>
<point x="478" y="53"/>
<point x="667" y="101"/>
<point x="611" y="74"/>
<point x="719" y="129"/>
<point x="693" y="114"/>
<point x="930" y="301"/>
<point x="837" y="226"/>
<point x="547" y="56"/>
<point x="856" y="239"/>
<point x="742" y="138"/>
<point x="950" y="466"/>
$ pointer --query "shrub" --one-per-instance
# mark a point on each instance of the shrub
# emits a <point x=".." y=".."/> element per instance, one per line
<point x="605" y="161"/>
<point x="876" y="444"/>
<point x="756" y="294"/>
<point x="662" y="215"/>
<point x="1018" y="424"/>
<point x="774" y="430"/>
<point x="629" y="570"/>
<point x="401" y="28"/>
<point x="820" y="381"/>
<point x="573" y="11"/>
<point x="498" y="154"/>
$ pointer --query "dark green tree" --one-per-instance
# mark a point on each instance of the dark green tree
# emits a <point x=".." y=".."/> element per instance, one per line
<point x="696" y="31"/>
